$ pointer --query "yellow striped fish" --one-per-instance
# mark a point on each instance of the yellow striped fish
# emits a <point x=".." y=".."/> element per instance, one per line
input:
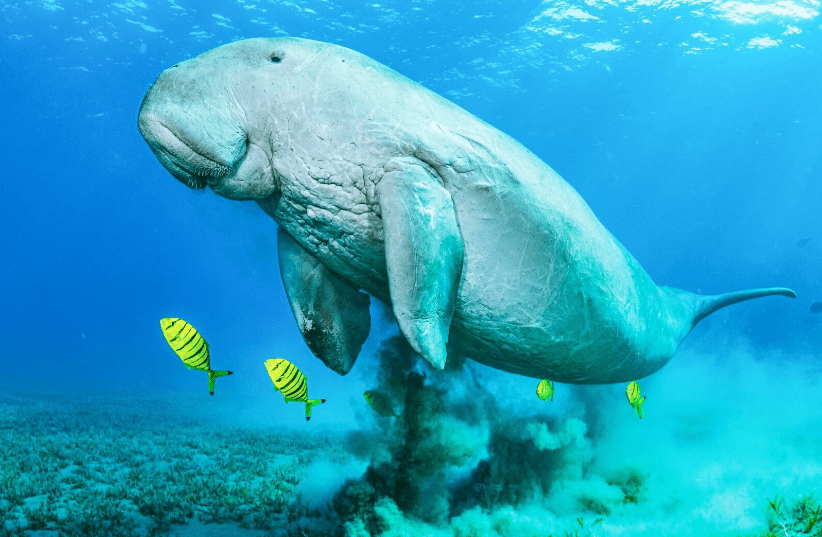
<point x="545" y="389"/>
<point x="381" y="403"/>
<point x="190" y="347"/>
<point x="290" y="382"/>
<point x="632" y="391"/>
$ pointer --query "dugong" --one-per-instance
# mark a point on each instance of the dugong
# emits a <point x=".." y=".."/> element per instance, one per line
<point x="381" y="187"/>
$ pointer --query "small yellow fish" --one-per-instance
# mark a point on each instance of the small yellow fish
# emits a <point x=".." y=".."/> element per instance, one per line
<point x="632" y="391"/>
<point x="545" y="389"/>
<point x="381" y="403"/>
<point x="290" y="381"/>
<point x="190" y="346"/>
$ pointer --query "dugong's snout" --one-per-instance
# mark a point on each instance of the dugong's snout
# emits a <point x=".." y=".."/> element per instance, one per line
<point x="187" y="161"/>
<point x="203" y="142"/>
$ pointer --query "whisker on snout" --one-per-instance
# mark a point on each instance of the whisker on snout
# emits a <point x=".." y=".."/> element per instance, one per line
<point x="196" y="183"/>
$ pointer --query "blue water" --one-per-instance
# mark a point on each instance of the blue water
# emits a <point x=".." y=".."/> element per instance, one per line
<point x="692" y="129"/>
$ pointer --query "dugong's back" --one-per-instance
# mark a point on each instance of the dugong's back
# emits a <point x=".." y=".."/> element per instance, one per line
<point x="379" y="184"/>
<point x="545" y="291"/>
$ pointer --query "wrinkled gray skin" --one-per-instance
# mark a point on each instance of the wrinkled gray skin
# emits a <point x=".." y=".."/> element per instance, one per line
<point x="380" y="185"/>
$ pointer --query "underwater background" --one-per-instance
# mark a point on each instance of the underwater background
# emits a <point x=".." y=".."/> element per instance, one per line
<point x="693" y="129"/>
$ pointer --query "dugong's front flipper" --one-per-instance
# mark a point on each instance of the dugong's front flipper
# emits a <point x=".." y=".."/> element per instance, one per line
<point x="332" y="314"/>
<point x="423" y="255"/>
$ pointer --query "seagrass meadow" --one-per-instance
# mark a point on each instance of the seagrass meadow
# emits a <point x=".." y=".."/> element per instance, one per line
<point x="92" y="466"/>
<point x="99" y="465"/>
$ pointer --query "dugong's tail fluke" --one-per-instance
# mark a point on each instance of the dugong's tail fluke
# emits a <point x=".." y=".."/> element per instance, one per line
<point x="706" y="305"/>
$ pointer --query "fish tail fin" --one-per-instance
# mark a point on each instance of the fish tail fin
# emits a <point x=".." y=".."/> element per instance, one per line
<point x="214" y="375"/>
<point x="639" y="407"/>
<point x="309" y="404"/>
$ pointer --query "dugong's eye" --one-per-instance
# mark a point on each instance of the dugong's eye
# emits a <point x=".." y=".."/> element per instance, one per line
<point x="276" y="57"/>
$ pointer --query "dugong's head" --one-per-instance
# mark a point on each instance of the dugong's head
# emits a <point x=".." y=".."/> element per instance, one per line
<point x="214" y="120"/>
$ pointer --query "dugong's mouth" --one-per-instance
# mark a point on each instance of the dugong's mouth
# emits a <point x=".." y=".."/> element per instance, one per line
<point x="190" y="166"/>
<point x="204" y="147"/>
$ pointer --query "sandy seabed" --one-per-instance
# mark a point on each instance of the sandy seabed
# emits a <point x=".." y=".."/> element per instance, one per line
<point x="718" y="452"/>
<point x="94" y="466"/>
